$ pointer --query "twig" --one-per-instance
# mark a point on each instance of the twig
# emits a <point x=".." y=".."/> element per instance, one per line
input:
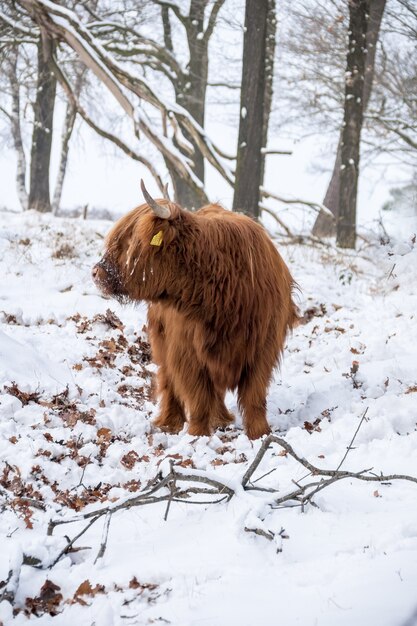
<point x="261" y="533"/>
<point x="349" y="448"/>
<point x="71" y="542"/>
<point x="103" y="544"/>
<point x="172" y="489"/>
<point x="316" y="206"/>
<point x="265" y="209"/>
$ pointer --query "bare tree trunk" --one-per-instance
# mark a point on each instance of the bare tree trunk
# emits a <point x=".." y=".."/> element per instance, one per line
<point x="68" y="127"/>
<point x="249" y="151"/>
<point x="40" y="157"/>
<point x="352" y="122"/>
<point x="190" y="92"/>
<point x="271" y="30"/>
<point x="324" y="225"/>
<point x="17" y="132"/>
<point x="70" y="115"/>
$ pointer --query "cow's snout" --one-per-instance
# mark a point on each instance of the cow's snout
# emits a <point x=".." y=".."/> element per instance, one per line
<point x="98" y="274"/>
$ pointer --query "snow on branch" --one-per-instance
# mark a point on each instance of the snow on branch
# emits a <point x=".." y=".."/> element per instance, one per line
<point x="65" y="25"/>
<point x="17" y="27"/>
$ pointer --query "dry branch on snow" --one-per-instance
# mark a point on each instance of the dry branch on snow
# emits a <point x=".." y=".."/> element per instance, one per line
<point x="199" y="487"/>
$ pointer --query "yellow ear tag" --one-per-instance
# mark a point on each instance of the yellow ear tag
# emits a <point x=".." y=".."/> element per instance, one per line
<point x="157" y="239"/>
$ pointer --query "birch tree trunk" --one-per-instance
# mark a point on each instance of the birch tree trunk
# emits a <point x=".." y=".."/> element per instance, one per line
<point x="17" y="131"/>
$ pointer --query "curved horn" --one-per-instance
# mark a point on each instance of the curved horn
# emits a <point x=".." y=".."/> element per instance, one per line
<point x="158" y="209"/>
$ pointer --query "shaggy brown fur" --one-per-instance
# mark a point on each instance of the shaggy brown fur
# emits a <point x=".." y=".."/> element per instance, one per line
<point x="221" y="305"/>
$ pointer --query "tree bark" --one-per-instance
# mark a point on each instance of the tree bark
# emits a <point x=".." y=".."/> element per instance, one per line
<point x="17" y="131"/>
<point x="39" y="198"/>
<point x="68" y="127"/>
<point x="271" y="30"/>
<point x="352" y="122"/>
<point x="70" y="115"/>
<point x="190" y="92"/>
<point x="325" y="226"/>
<point x="252" y="99"/>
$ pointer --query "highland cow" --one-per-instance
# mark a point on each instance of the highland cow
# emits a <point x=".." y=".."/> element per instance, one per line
<point x="220" y="306"/>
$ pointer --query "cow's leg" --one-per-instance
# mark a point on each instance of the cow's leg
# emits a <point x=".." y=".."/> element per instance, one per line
<point x="206" y="405"/>
<point x="200" y="399"/>
<point x="171" y="417"/>
<point x="251" y="394"/>
<point x="197" y="390"/>
<point x="222" y="417"/>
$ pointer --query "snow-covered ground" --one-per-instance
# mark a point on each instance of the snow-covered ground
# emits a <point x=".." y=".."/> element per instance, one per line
<point x="76" y="435"/>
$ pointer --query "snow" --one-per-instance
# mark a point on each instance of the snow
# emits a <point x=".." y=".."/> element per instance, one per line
<point x="350" y="560"/>
<point x="21" y="361"/>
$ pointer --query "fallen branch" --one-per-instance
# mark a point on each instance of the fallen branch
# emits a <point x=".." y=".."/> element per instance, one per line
<point x="305" y="493"/>
<point x="172" y="491"/>
<point x="147" y="497"/>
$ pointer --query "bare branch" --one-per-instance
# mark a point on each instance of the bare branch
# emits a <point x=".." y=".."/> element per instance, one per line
<point x="175" y="9"/>
<point x="212" y="20"/>
<point x="349" y="448"/>
<point x="65" y="24"/>
<point x="264" y="209"/>
<point x="316" y="206"/>
<point x="103" y="544"/>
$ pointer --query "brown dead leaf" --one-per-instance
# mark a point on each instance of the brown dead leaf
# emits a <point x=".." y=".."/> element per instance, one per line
<point x="310" y="313"/>
<point x="187" y="463"/>
<point x="48" y="600"/>
<point x="313" y="427"/>
<point x="355" y="367"/>
<point x="85" y="589"/>
<point x="135" y="584"/>
<point x="130" y="459"/>
<point x="104" y="434"/>
<point x="24" y="396"/>
<point x="132" y="485"/>
<point x="110" y="318"/>
<point x="110" y="345"/>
